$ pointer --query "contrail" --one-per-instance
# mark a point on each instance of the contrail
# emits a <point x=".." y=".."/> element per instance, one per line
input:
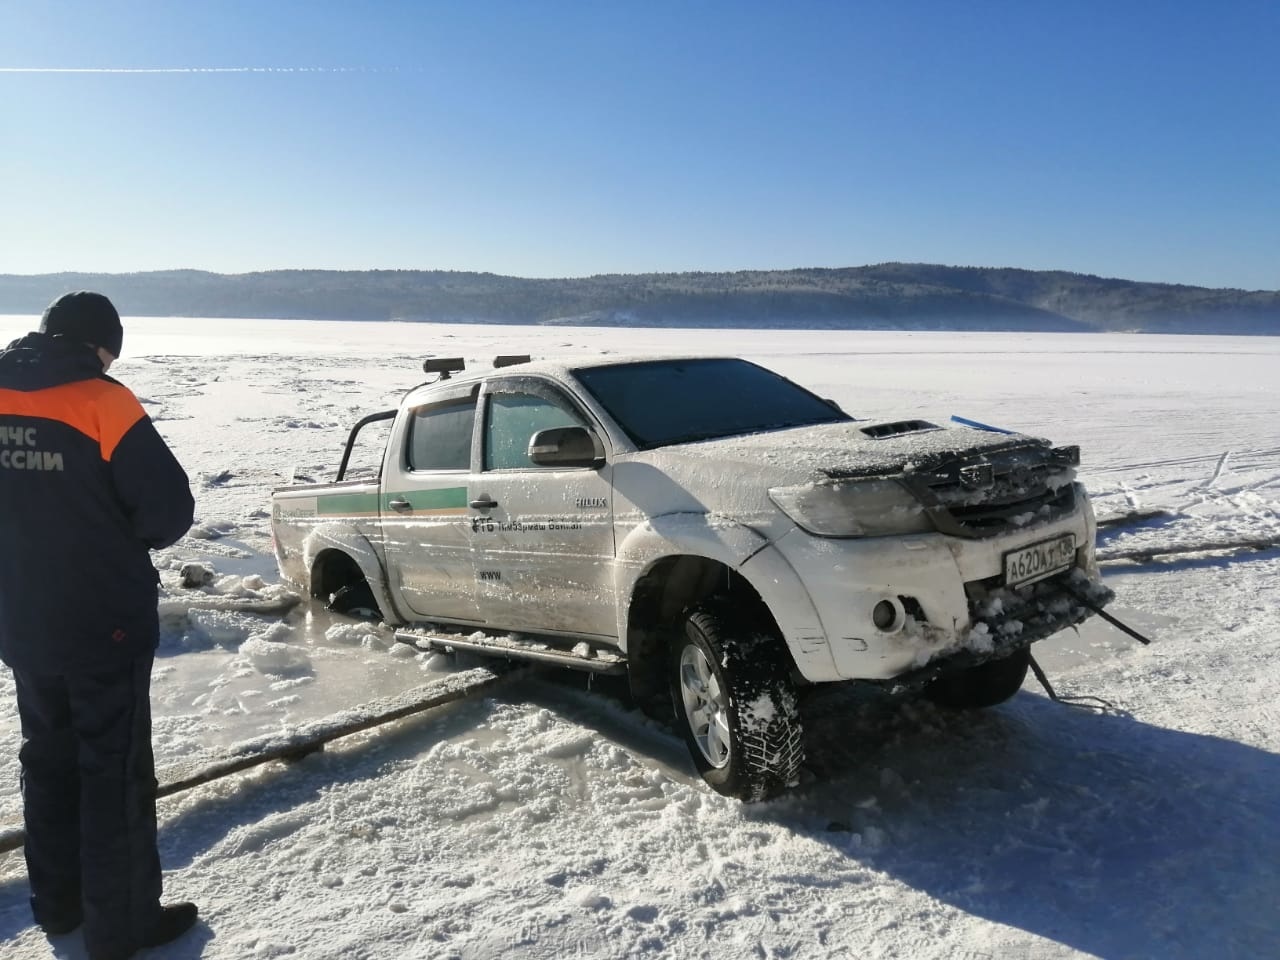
<point x="199" y="69"/>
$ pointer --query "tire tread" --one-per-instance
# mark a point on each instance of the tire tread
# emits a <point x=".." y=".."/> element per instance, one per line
<point x="755" y="667"/>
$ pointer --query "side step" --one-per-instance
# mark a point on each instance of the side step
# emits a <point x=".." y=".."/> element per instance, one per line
<point x="517" y="647"/>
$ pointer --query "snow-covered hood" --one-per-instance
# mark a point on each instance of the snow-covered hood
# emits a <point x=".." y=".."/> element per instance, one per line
<point x="850" y="449"/>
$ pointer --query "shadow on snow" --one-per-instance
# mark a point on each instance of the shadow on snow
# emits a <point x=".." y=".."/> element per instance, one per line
<point x="1100" y="832"/>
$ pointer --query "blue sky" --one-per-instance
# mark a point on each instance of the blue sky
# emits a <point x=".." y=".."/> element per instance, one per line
<point x="1127" y="139"/>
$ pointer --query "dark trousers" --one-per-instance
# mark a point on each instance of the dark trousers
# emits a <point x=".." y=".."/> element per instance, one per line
<point x="89" y="799"/>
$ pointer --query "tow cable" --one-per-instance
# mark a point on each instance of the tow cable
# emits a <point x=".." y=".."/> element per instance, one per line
<point x="1114" y="621"/>
<point x="1087" y="702"/>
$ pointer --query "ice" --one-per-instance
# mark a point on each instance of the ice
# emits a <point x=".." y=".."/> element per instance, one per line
<point x="542" y="819"/>
<point x="270" y="653"/>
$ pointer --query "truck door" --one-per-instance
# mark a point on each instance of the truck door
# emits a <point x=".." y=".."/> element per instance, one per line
<point x="544" y="544"/>
<point x="426" y="522"/>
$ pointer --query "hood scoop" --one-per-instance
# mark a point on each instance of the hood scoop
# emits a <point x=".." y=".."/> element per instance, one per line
<point x="881" y="430"/>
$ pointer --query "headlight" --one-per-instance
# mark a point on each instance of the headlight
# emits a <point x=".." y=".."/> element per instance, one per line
<point x="1065" y="456"/>
<point x="853" y="508"/>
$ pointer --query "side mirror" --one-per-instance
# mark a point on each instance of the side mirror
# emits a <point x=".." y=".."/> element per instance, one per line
<point x="566" y="447"/>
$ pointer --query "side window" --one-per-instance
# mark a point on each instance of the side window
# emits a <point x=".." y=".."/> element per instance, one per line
<point x="512" y="419"/>
<point x="440" y="435"/>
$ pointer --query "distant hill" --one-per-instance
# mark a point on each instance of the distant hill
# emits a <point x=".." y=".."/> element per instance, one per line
<point x="889" y="296"/>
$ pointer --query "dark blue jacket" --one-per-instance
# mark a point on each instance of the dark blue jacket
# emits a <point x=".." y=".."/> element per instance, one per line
<point x="87" y="489"/>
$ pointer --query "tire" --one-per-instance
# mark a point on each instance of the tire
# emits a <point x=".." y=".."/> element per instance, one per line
<point x="985" y="685"/>
<point x="356" y="600"/>
<point x="735" y="703"/>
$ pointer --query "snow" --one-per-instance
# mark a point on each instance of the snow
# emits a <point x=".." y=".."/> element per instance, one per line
<point x="545" y="818"/>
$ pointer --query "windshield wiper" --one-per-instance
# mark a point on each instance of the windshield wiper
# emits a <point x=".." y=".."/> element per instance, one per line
<point x="741" y="431"/>
<point x="686" y="438"/>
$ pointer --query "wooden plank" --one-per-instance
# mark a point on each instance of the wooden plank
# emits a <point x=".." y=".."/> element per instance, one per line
<point x="1136" y="516"/>
<point x="311" y="737"/>
<point x="1204" y="546"/>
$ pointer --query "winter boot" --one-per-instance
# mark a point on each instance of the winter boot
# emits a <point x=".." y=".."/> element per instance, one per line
<point x="175" y="920"/>
<point x="172" y="922"/>
<point x="61" y="925"/>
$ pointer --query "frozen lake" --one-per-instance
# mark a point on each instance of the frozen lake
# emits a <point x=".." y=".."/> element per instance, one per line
<point x="548" y="820"/>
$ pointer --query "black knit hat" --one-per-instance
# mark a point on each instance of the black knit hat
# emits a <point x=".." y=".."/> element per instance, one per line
<point x="88" y="317"/>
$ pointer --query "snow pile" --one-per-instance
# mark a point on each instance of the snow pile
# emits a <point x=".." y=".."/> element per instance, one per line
<point x="270" y="653"/>
<point x="368" y="635"/>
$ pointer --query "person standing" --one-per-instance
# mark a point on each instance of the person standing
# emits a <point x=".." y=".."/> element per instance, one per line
<point x="87" y="489"/>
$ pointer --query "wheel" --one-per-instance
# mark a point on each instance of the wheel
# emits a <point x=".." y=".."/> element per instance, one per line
<point x="356" y="600"/>
<point x="982" y="686"/>
<point x="735" y="703"/>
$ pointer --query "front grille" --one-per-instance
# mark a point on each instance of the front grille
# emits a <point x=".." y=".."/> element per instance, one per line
<point x="985" y="496"/>
<point x="985" y="519"/>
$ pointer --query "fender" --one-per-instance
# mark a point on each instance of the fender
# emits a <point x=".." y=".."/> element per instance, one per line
<point x="350" y="541"/>
<point x="742" y="549"/>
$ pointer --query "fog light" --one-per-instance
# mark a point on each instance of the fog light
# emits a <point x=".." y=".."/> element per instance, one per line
<point x="887" y="616"/>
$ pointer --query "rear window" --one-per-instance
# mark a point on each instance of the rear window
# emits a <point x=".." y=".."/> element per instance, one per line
<point x="661" y="402"/>
<point x="440" y="435"/>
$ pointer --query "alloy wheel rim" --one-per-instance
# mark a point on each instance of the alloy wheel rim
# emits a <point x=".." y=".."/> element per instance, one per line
<point x="706" y="706"/>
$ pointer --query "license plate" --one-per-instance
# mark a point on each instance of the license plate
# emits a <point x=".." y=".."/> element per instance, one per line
<point x="1039" y="560"/>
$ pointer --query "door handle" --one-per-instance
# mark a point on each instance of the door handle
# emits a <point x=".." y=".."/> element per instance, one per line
<point x="484" y="503"/>
<point x="400" y="506"/>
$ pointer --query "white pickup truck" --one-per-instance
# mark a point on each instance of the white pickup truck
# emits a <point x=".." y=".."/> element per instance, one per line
<point x="720" y="534"/>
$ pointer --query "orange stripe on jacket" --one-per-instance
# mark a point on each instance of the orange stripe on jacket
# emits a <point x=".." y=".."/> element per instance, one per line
<point x="101" y="410"/>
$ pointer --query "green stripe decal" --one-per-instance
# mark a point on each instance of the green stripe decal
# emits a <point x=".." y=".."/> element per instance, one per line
<point x="344" y="504"/>
<point x="371" y="504"/>
<point x="448" y="498"/>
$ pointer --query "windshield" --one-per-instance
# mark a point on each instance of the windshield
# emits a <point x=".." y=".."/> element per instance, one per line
<point x="660" y="402"/>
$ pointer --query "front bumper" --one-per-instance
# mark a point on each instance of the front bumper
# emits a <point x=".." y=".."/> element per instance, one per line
<point x="950" y="608"/>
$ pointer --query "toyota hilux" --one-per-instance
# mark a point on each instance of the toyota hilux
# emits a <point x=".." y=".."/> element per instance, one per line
<point x="719" y="534"/>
